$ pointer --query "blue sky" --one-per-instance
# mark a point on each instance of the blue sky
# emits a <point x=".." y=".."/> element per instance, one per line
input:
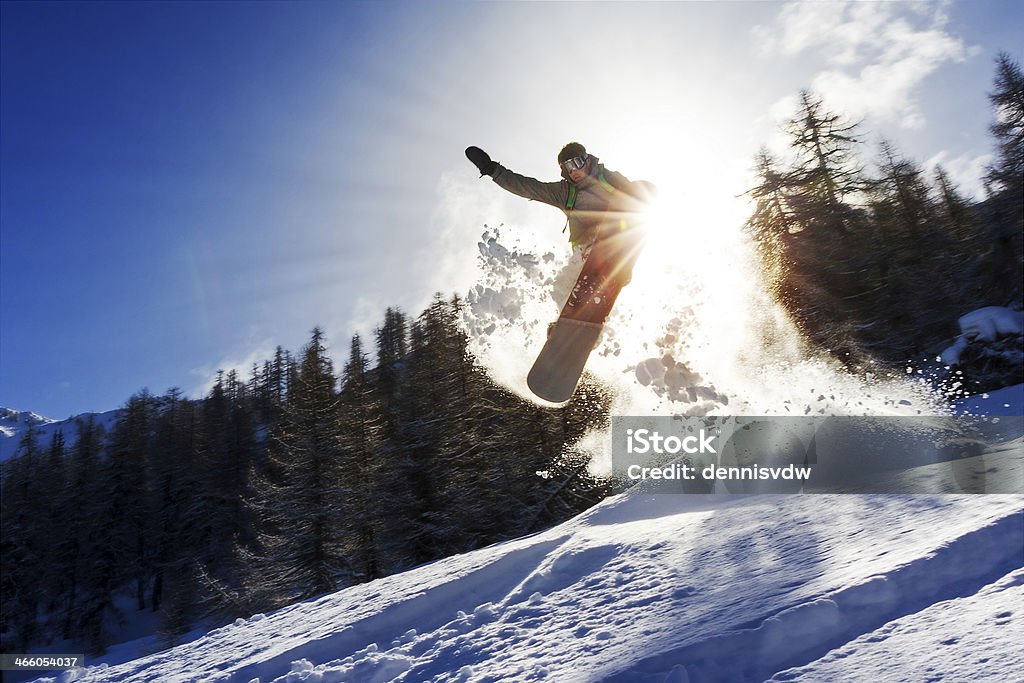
<point x="184" y="186"/>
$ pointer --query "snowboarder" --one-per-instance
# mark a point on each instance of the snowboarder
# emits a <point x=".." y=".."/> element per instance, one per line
<point x="601" y="208"/>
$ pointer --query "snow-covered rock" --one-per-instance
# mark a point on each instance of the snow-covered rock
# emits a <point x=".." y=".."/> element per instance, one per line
<point x="984" y="325"/>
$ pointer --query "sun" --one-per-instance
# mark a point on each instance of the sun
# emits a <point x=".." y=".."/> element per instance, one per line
<point x="696" y="263"/>
<point x="695" y="223"/>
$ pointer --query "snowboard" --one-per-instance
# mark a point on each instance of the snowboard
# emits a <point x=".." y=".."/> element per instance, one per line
<point x="607" y="269"/>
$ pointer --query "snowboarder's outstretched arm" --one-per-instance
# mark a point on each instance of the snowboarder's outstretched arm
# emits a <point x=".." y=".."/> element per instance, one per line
<point x="553" y="193"/>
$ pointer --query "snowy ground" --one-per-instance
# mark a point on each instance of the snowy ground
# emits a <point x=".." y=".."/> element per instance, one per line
<point x="666" y="588"/>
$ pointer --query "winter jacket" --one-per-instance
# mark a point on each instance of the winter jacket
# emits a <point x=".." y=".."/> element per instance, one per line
<point x="606" y="202"/>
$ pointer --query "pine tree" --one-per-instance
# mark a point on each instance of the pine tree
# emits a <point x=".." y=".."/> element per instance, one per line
<point x="367" y="489"/>
<point x="961" y="224"/>
<point x="900" y="190"/>
<point x="51" y="525"/>
<point x="93" y="575"/>
<point x="1006" y="175"/>
<point x="826" y="172"/>
<point x="81" y="477"/>
<point x="830" y="267"/>
<point x="227" y="450"/>
<point x="955" y="215"/>
<point x="1005" y="181"/>
<point x="773" y="220"/>
<point x="127" y="531"/>
<point x="23" y="552"/>
<point x="449" y="447"/>
<point x="407" y="487"/>
<point x="269" y="387"/>
<point x="177" y="515"/>
<point x="910" y="245"/>
<point x="299" y="503"/>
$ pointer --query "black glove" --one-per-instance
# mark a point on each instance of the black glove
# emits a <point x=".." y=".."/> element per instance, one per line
<point x="481" y="160"/>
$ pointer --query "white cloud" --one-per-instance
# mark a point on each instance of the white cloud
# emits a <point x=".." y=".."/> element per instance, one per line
<point x="874" y="55"/>
<point x="966" y="171"/>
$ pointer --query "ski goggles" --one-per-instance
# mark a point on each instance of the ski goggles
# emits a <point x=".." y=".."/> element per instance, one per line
<point x="575" y="163"/>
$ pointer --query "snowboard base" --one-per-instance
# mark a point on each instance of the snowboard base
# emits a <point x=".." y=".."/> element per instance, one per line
<point x="557" y="369"/>
<point x="607" y="269"/>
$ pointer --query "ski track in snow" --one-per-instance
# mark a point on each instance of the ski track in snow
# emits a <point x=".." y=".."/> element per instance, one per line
<point x="651" y="587"/>
<point x="976" y="638"/>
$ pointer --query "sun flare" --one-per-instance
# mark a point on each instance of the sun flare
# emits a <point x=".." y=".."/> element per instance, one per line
<point x="695" y="242"/>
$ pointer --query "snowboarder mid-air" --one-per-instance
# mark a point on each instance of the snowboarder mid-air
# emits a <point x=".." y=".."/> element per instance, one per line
<point x="601" y="206"/>
<point x="602" y="209"/>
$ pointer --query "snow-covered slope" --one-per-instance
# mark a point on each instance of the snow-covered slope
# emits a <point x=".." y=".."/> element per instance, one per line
<point x="14" y="424"/>
<point x="651" y="587"/>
